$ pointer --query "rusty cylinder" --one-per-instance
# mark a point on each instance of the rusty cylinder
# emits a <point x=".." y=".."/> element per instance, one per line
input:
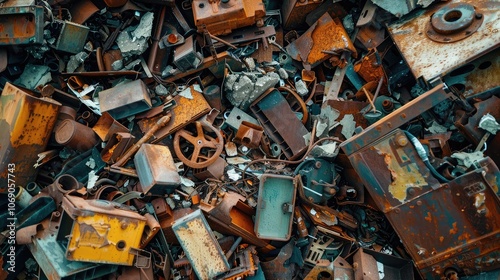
<point x="75" y="135"/>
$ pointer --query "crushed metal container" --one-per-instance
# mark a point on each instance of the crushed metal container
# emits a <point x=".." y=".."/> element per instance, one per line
<point x="156" y="169"/>
<point x="125" y="100"/>
<point x="99" y="231"/>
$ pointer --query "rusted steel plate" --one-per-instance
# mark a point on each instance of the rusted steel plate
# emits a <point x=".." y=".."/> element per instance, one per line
<point x="232" y="216"/>
<point x="21" y="23"/>
<point x="397" y="118"/>
<point x="430" y="59"/>
<point x="201" y="247"/>
<point x="440" y="225"/>
<point x="455" y="225"/>
<point x="476" y="77"/>
<point x="185" y="111"/>
<point x="295" y="12"/>
<point x="280" y="123"/>
<point x="327" y="35"/>
<point x="29" y="122"/>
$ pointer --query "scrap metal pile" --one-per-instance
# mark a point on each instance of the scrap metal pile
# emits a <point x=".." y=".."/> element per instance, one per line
<point x="249" y="139"/>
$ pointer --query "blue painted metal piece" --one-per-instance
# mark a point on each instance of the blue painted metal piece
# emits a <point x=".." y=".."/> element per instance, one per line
<point x="275" y="205"/>
<point x="21" y="23"/>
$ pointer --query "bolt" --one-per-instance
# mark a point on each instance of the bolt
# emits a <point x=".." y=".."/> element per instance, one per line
<point x="401" y="140"/>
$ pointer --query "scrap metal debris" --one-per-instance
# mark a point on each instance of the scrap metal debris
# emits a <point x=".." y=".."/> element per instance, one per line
<point x="249" y="139"/>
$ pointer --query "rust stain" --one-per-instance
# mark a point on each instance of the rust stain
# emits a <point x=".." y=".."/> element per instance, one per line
<point x="428" y="217"/>
<point x="203" y="253"/>
<point x="480" y="202"/>
<point x="454" y="230"/>
<point x="464" y="237"/>
<point x="441" y="238"/>
<point x="403" y="178"/>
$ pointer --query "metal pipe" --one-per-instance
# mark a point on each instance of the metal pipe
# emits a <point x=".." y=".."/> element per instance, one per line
<point x="134" y="148"/>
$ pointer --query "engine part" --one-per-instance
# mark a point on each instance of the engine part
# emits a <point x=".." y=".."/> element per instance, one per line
<point x="275" y="206"/>
<point x="405" y="189"/>
<point x="222" y="16"/>
<point x="247" y="263"/>
<point x="125" y="100"/>
<point x="198" y="242"/>
<point x="280" y="123"/>
<point x="156" y="169"/>
<point x="319" y="178"/>
<point x="27" y="122"/>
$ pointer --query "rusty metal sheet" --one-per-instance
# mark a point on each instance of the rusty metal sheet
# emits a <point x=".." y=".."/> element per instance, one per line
<point x="184" y="112"/>
<point x="106" y="127"/>
<point x="280" y="267"/>
<point x="476" y="77"/>
<point x="397" y="118"/>
<point x="373" y="265"/>
<point x="201" y="247"/>
<point x="29" y="122"/>
<point x="233" y="216"/>
<point x="100" y="231"/>
<point x="317" y="44"/>
<point x="222" y="17"/>
<point x="280" y="123"/>
<point x="295" y="11"/>
<point x="429" y="59"/>
<point x="21" y="23"/>
<point x="437" y="223"/>
<point x="82" y="10"/>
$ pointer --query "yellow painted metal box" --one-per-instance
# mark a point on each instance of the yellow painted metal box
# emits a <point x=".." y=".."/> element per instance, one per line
<point x="26" y="123"/>
<point x="100" y="231"/>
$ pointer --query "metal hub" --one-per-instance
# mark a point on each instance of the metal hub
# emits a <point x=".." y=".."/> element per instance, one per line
<point x="453" y="22"/>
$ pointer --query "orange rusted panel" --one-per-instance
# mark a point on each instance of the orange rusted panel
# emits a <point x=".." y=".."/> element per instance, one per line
<point x="26" y="123"/>
<point x="317" y="44"/>
<point x="21" y="23"/>
<point x="185" y="111"/>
